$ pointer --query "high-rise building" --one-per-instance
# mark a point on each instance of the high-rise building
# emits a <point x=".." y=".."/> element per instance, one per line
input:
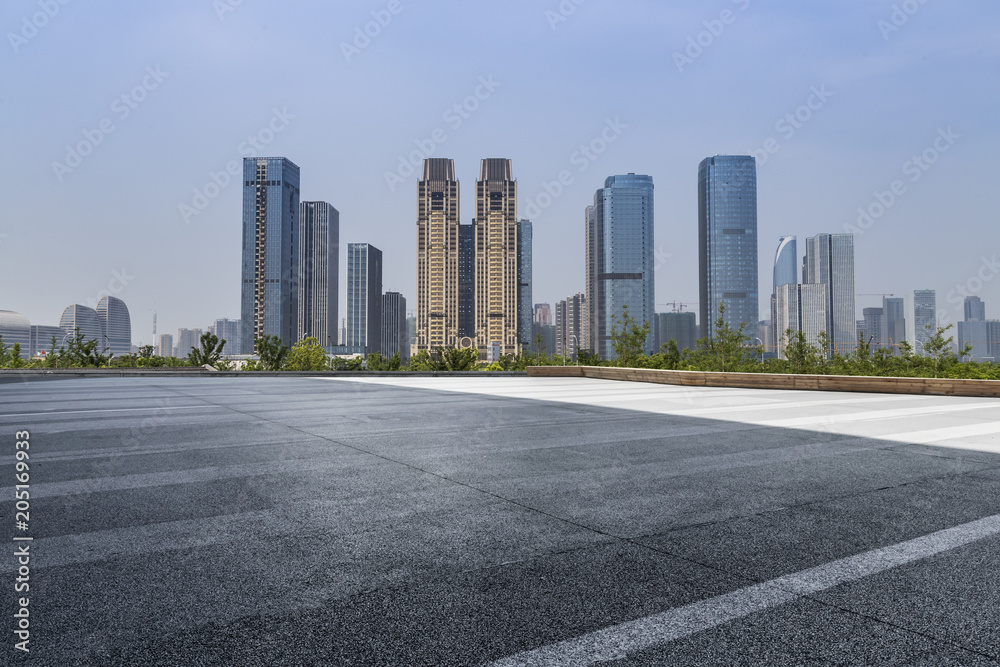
<point x="524" y="305"/>
<point x="569" y="325"/>
<point x="983" y="337"/>
<point x="16" y="328"/>
<point x="619" y="268"/>
<point x="467" y="281"/>
<point x="438" y="250"/>
<point x="786" y="271"/>
<point x="41" y="338"/>
<point x="187" y="339"/>
<point x="921" y="318"/>
<point x="800" y="308"/>
<point x="496" y="259"/>
<point x="229" y="331"/>
<point x="727" y="241"/>
<point x="394" y="336"/>
<point x="893" y="322"/>
<point x="873" y="328"/>
<point x="164" y="345"/>
<point x="679" y="327"/>
<point x="830" y="262"/>
<point x="270" y="289"/>
<point x="319" y="270"/>
<point x="543" y="314"/>
<point x="975" y="309"/>
<point x="364" y="297"/>
<point x="86" y="320"/>
<point x="117" y="325"/>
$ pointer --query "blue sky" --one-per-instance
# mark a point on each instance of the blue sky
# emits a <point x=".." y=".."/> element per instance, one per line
<point x="676" y="81"/>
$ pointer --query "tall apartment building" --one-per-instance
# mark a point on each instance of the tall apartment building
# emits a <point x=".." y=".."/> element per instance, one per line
<point x="619" y="261"/>
<point x="921" y="317"/>
<point x="800" y="308"/>
<point x="524" y="305"/>
<point x="830" y="262"/>
<point x="187" y="339"/>
<point x="786" y="272"/>
<point x="394" y="334"/>
<point x="270" y="290"/>
<point x="164" y="345"/>
<point x="543" y="314"/>
<point x="437" y="255"/>
<point x="569" y="325"/>
<point x="319" y="271"/>
<point x="496" y="259"/>
<point x="364" y="297"/>
<point x="727" y="241"/>
<point x="229" y="331"/>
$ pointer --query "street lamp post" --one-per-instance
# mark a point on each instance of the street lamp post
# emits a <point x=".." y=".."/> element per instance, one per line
<point x="761" y="349"/>
<point x="576" y="346"/>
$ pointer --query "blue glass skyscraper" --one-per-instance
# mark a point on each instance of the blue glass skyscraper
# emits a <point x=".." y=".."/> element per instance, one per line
<point x="786" y="272"/>
<point x="727" y="241"/>
<point x="270" y="251"/>
<point x="620" y="259"/>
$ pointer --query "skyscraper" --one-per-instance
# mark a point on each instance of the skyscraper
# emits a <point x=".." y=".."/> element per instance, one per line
<point x="921" y="318"/>
<point x="975" y="309"/>
<point x="786" y="271"/>
<point x="569" y="325"/>
<point x="524" y="305"/>
<point x="679" y="327"/>
<point x="364" y="296"/>
<point x="800" y="308"/>
<point x="319" y="269"/>
<point x="270" y="290"/>
<point x="874" y="324"/>
<point x="394" y="336"/>
<point x="438" y="278"/>
<point x="893" y="323"/>
<point x="86" y="320"/>
<point x="229" y="331"/>
<point x="830" y="262"/>
<point x="467" y="281"/>
<point x="496" y="259"/>
<point x="164" y="345"/>
<point x="727" y="241"/>
<point x="116" y="324"/>
<point x="187" y="339"/>
<point x="619" y="269"/>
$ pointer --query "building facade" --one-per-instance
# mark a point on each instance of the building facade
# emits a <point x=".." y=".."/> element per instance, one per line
<point x="569" y="325"/>
<point x="437" y="255"/>
<point x="524" y="304"/>
<point x="800" y="308"/>
<point x="873" y="328"/>
<point x="15" y="328"/>
<point x="164" y="345"/>
<point x="319" y="271"/>
<point x="893" y="322"/>
<point x="921" y="318"/>
<point x="270" y="290"/>
<point x="830" y="262"/>
<point x="86" y="320"/>
<point x="496" y="259"/>
<point x="467" y="283"/>
<point x="678" y="327"/>
<point x="786" y="272"/>
<point x="727" y="241"/>
<point x="395" y="339"/>
<point x="364" y="297"/>
<point x="619" y="261"/>
<point x="117" y="325"/>
<point x="975" y="309"/>
<point x="41" y="338"/>
<point x="229" y="331"/>
<point x="187" y="339"/>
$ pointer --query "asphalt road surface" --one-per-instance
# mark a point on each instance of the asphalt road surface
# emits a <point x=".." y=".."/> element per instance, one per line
<point x="498" y="521"/>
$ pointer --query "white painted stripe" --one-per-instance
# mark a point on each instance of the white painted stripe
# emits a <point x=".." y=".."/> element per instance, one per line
<point x="78" y="412"/>
<point x="617" y="641"/>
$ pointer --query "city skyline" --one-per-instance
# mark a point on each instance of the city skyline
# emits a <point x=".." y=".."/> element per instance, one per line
<point x="846" y="128"/>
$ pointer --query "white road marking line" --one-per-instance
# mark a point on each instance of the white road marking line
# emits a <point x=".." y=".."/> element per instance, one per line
<point x="77" y="412"/>
<point x="617" y="641"/>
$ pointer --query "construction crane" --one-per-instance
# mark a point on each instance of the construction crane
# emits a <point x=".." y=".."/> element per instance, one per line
<point x="677" y="306"/>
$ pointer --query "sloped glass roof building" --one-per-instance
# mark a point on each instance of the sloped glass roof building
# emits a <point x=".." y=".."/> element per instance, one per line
<point x="86" y="320"/>
<point x="116" y="323"/>
<point x="15" y="328"/>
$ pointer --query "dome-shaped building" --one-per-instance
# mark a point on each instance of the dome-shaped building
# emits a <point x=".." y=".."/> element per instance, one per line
<point x="116" y="323"/>
<point x="15" y="328"/>
<point x="86" y="320"/>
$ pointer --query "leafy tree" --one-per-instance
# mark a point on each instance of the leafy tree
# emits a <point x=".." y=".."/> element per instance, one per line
<point x="306" y="355"/>
<point x="271" y="352"/>
<point x="455" y="359"/>
<point x="82" y="353"/>
<point x="803" y="356"/>
<point x="210" y="352"/>
<point x="4" y="354"/>
<point x="146" y="352"/>
<point x="728" y="350"/>
<point x="628" y="338"/>
<point x="587" y="358"/>
<point x="939" y="349"/>
<point x="15" y="357"/>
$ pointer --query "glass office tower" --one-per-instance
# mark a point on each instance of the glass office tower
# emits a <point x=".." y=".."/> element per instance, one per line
<point x="830" y="262"/>
<point x="117" y="325"/>
<point x="270" y="299"/>
<point x="727" y="241"/>
<point x="86" y="320"/>
<point x="619" y="270"/>
<point x="319" y="269"/>
<point x="364" y="297"/>
<point x="524" y="304"/>
<point x="786" y="272"/>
